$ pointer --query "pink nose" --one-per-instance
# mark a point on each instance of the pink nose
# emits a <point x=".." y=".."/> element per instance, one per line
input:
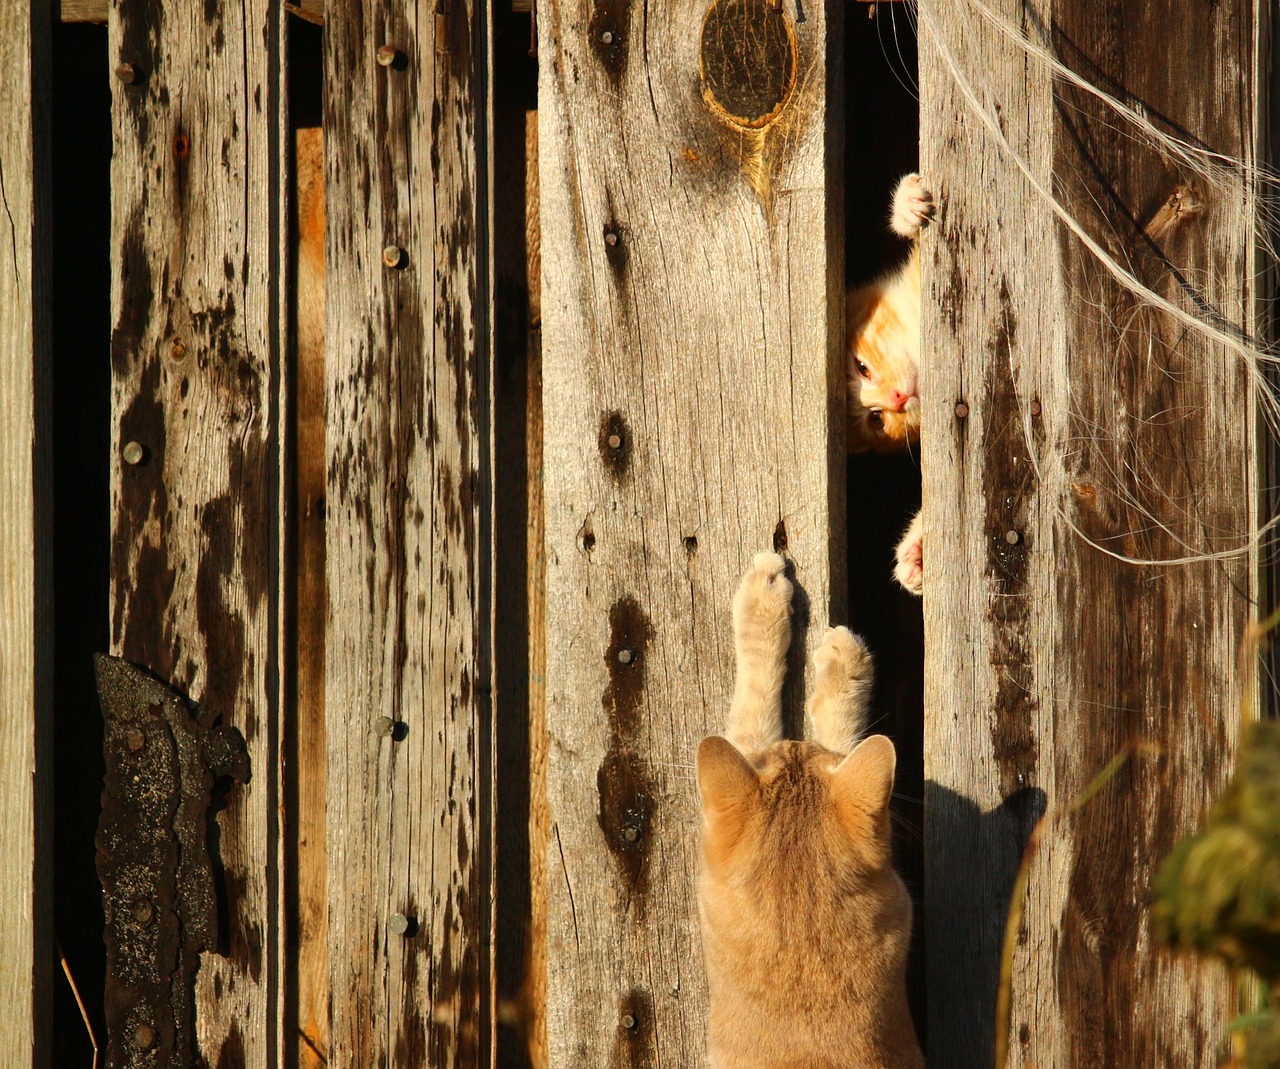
<point x="898" y="400"/>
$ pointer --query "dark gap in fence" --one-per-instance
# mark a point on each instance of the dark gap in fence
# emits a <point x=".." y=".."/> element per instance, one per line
<point x="518" y="541"/>
<point x="305" y="966"/>
<point x="81" y="444"/>
<point x="882" y="144"/>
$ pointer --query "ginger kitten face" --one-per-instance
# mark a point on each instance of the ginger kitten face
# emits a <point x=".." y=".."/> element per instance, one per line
<point x="884" y="363"/>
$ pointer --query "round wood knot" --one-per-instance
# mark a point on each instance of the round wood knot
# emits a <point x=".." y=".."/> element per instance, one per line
<point x="747" y="61"/>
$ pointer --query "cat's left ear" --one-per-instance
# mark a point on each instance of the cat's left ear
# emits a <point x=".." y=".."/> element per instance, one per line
<point x="726" y="779"/>
<point x="863" y="781"/>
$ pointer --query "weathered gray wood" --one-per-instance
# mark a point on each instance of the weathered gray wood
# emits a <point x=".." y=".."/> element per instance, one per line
<point x="26" y="574"/>
<point x="408" y="545"/>
<point x="196" y="366"/>
<point x="1086" y="417"/>
<point x="692" y="307"/>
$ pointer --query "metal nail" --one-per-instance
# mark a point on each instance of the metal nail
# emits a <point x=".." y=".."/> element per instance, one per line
<point x="1035" y="408"/>
<point x="606" y="37"/>
<point x="387" y="55"/>
<point x="1012" y="537"/>
<point x="631" y="834"/>
<point x="133" y="453"/>
<point x="399" y="924"/>
<point x="611" y="239"/>
<point x="628" y="1021"/>
<point x="143" y="911"/>
<point x="136" y="739"/>
<point x="962" y="410"/>
<point x="384" y="726"/>
<point x="127" y="73"/>
<point x="392" y="256"/>
<point x="143" y="1036"/>
<point x="625" y="656"/>
<point x="615" y="441"/>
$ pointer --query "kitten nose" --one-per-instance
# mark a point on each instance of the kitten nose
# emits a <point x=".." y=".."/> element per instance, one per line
<point x="898" y="400"/>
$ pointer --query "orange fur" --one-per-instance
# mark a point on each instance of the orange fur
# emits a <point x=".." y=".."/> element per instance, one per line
<point x="805" y="924"/>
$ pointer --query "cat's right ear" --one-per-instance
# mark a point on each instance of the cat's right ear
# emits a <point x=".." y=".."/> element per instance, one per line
<point x="726" y="780"/>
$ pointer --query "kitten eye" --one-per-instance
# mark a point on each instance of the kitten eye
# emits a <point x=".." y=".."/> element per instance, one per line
<point x="875" y="418"/>
<point x="863" y="370"/>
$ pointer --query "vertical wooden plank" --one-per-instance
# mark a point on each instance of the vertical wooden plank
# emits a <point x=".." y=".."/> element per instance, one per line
<point x="692" y="304"/>
<point x="26" y="576"/>
<point x="1095" y="427"/>
<point x="407" y="667"/>
<point x="195" y="470"/>
<point x="307" y="745"/>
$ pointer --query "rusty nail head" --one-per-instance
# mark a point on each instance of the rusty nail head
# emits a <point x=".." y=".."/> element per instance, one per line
<point x="615" y="441"/>
<point x="178" y="350"/>
<point x="607" y="37"/>
<point x="611" y="239"/>
<point x="1035" y="408"/>
<point x="628" y="1021"/>
<point x="384" y="726"/>
<point x="1012" y="537"/>
<point x="631" y="834"/>
<point x="625" y="656"/>
<point x="136" y="739"/>
<point x="127" y="73"/>
<point x="398" y="924"/>
<point x="387" y="55"/>
<point x="143" y="1036"/>
<point x="143" y="911"/>
<point x="962" y="410"/>
<point x="133" y="453"/>
<point x="392" y="255"/>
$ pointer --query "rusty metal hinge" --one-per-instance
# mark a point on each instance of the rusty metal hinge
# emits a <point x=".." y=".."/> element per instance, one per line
<point x="163" y="758"/>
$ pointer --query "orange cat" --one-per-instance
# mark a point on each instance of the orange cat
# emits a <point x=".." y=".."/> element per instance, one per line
<point x="883" y="324"/>
<point x="805" y="924"/>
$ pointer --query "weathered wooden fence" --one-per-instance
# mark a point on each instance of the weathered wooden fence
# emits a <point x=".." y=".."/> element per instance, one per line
<point x="328" y="526"/>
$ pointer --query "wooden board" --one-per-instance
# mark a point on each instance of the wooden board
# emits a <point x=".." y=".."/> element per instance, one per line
<point x="26" y="573"/>
<point x="197" y="337"/>
<point x="306" y="742"/>
<point x="408" y="551"/>
<point x="692" y="302"/>
<point x="1088" y="420"/>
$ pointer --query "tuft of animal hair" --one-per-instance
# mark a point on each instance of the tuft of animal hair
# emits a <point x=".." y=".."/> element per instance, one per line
<point x="1228" y="179"/>
<point x="805" y="924"/>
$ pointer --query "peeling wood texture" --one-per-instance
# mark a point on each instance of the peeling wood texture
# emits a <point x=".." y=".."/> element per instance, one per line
<point x="407" y="665"/>
<point x="692" y="302"/>
<point x="1088" y="417"/>
<point x="195" y="469"/>
<point x="26" y="572"/>
<point x="163" y="759"/>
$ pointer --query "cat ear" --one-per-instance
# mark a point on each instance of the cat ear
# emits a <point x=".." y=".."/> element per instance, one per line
<point x="863" y="782"/>
<point x="725" y="777"/>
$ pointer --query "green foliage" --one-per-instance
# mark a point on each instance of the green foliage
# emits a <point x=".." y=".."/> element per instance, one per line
<point x="1218" y="892"/>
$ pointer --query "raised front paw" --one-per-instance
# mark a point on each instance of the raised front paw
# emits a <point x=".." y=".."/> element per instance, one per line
<point x="762" y="605"/>
<point x="841" y="658"/>
<point x="909" y="557"/>
<point x="913" y="207"/>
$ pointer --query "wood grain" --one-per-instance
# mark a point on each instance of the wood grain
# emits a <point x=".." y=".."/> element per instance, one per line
<point x="197" y="277"/>
<point x="1087" y="417"/>
<point x="307" y="742"/>
<point x="692" y="295"/>
<point x="408" y="551"/>
<point x="26" y="572"/>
